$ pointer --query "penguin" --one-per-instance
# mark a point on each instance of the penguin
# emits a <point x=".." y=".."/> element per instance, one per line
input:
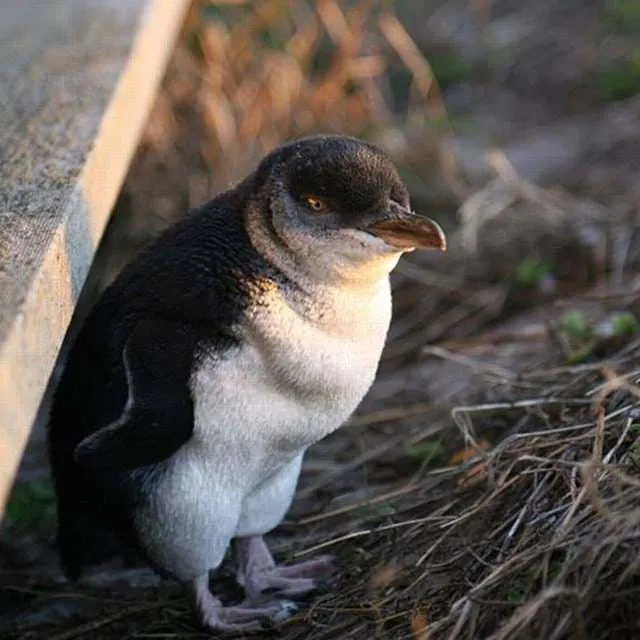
<point x="246" y="332"/>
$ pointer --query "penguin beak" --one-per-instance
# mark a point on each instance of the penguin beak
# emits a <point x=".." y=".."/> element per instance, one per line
<point x="404" y="230"/>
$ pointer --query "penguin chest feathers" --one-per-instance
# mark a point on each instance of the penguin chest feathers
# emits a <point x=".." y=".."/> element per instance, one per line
<point x="299" y="372"/>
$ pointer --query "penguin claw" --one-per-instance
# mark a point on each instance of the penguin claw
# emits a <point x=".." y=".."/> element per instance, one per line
<point x="250" y="615"/>
<point x="245" y="618"/>
<point x="288" y="608"/>
<point x="261" y="577"/>
<point x="290" y="581"/>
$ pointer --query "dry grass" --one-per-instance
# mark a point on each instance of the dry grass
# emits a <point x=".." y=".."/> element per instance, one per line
<point x="264" y="72"/>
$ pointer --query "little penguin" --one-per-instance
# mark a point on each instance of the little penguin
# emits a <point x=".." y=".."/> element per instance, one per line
<point x="246" y="332"/>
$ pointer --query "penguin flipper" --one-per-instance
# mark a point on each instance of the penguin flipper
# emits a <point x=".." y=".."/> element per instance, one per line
<point x="158" y="417"/>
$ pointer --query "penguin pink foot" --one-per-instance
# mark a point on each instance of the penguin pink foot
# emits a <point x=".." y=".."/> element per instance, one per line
<point x="247" y="616"/>
<point x="259" y="574"/>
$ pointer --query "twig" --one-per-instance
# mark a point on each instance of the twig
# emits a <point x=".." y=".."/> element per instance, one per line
<point x="367" y="532"/>
<point x="483" y="367"/>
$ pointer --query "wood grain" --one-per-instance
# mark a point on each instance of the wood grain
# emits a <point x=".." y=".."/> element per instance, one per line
<point x="77" y="81"/>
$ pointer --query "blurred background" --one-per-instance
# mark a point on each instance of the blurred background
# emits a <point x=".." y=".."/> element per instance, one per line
<point x="458" y="498"/>
<point x="476" y="101"/>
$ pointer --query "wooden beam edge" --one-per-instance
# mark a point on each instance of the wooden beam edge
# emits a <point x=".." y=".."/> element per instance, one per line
<point x="28" y="355"/>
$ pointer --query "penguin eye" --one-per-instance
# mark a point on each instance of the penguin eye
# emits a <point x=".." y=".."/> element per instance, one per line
<point x="315" y="204"/>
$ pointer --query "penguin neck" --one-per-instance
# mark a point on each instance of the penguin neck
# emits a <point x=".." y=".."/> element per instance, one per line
<point x="342" y="300"/>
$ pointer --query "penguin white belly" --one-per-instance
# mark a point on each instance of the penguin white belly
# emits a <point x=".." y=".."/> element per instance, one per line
<point x="257" y="409"/>
<point x="291" y="383"/>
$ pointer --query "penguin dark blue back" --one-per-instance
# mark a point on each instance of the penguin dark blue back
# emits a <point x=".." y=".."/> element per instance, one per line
<point x="244" y="334"/>
<point x="185" y="274"/>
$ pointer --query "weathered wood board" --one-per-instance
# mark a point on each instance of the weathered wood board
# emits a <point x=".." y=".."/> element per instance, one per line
<point x="77" y="81"/>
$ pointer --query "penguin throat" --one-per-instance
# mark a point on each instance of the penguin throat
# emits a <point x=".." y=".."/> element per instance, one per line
<point x="310" y="262"/>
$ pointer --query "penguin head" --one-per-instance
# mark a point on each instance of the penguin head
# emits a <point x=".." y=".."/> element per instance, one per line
<point x="336" y="204"/>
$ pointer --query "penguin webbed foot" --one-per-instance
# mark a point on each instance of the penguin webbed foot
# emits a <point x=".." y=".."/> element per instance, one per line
<point x="246" y="616"/>
<point x="260" y="576"/>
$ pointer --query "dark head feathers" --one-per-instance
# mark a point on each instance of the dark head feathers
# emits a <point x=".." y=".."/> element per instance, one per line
<point x="348" y="173"/>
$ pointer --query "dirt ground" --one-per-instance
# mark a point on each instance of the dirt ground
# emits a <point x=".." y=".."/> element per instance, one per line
<point x="488" y="485"/>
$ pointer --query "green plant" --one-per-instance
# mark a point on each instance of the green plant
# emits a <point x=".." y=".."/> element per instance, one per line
<point x="449" y="69"/>
<point x="29" y="502"/>
<point x="634" y="452"/>
<point x="624" y="323"/>
<point x="429" y="452"/>
<point x="575" y="325"/>
<point x="621" y="80"/>
<point x="516" y="591"/>
<point x="623" y="15"/>
<point x="531" y="271"/>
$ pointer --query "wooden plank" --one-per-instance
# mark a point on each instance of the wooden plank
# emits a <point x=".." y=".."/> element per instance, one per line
<point x="77" y="81"/>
